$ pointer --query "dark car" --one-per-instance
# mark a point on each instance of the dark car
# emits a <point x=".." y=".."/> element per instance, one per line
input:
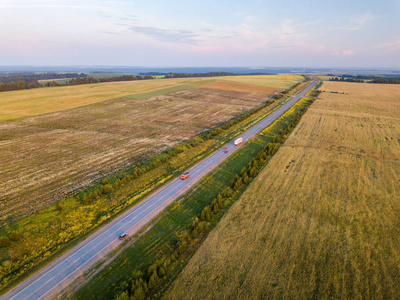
<point x="185" y="175"/>
<point x="123" y="236"/>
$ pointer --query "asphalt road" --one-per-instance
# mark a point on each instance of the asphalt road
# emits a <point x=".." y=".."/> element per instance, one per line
<point x="62" y="272"/>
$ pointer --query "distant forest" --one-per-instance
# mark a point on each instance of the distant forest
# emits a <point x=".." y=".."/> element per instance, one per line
<point x="368" y="78"/>
<point x="34" y="77"/>
<point x="209" y="74"/>
<point x="89" y="79"/>
<point x="22" y="81"/>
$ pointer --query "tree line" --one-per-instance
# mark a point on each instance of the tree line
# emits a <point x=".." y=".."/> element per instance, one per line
<point x="34" y="77"/>
<point x="346" y="79"/>
<point x="22" y="82"/>
<point x="19" y="85"/>
<point x="90" y="80"/>
<point x="209" y="74"/>
<point x="367" y="78"/>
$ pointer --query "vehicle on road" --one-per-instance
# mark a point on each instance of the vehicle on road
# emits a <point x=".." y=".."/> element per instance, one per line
<point x="238" y="141"/>
<point x="123" y="236"/>
<point x="185" y="175"/>
<point x="225" y="149"/>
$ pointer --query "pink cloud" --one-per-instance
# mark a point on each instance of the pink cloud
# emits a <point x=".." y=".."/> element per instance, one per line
<point x="347" y="52"/>
<point x="343" y="53"/>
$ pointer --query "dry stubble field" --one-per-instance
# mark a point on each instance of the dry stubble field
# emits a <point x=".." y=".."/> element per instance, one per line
<point x="47" y="156"/>
<point x="322" y="220"/>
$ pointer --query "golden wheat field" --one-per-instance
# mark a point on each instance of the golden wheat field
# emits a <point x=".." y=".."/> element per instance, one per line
<point x="322" y="219"/>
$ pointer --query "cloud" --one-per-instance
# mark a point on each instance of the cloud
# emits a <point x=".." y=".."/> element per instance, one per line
<point x="290" y="31"/>
<point x="390" y="46"/>
<point x="348" y="53"/>
<point x="343" y="53"/>
<point x="281" y="47"/>
<point x="168" y="35"/>
<point x="110" y="32"/>
<point x="358" y="22"/>
<point x="132" y="18"/>
<point x="52" y="5"/>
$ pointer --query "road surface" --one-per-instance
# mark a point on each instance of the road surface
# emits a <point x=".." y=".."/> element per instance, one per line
<point x="63" y="271"/>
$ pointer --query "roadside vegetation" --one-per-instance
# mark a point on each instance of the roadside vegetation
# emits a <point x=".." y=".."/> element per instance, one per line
<point x="321" y="220"/>
<point x="27" y="243"/>
<point x="147" y="267"/>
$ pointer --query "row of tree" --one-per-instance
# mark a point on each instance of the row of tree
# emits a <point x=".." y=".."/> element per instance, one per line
<point x="34" y="77"/>
<point x="209" y="74"/>
<point x="367" y="78"/>
<point x="387" y="80"/>
<point x="19" y="85"/>
<point x="22" y="82"/>
<point x="347" y="79"/>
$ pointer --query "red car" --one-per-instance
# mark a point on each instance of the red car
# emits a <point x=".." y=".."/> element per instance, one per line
<point x="123" y="236"/>
<point x="225" y="149"/>
<point x="185" y="175"/>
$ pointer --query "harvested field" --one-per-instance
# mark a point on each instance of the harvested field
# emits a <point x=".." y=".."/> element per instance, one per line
<point x="48" y="156"/>
<point x="281" y="81"/>
<point x="240" y="87"/>
<point x="321" y="221"/>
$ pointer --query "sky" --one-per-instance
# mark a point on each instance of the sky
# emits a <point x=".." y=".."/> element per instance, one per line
<point x="226" y="33"/>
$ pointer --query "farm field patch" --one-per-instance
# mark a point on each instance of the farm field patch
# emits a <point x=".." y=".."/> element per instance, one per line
<point x="57" y="80"/>
<point x="282" y="81"/>
<point x="240" y="87"/>
<point x="321" y="219"/>
<point x="324" y="77"/>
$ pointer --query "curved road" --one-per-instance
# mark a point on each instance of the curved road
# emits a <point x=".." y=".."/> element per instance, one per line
<point x="59" y="274"/>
